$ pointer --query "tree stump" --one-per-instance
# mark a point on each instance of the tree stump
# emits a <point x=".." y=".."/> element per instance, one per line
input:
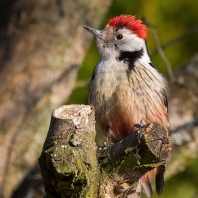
<point x="72" y="166"/>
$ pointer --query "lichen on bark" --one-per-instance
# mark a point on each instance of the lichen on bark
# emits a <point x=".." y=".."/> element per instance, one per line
<point x="71" y="166"/>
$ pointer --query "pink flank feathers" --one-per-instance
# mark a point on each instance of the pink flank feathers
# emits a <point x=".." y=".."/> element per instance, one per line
<point x="129" y="22"/>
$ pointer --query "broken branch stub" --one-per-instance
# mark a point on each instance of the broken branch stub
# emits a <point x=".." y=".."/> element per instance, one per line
<point x="129" y="159"/>
<point x="68" y="160"/>
<point x="151" y="144"/>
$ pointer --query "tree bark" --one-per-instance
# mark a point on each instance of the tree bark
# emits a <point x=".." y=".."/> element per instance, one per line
<point x="71" y="167"/>
<point x="42" y="45"/>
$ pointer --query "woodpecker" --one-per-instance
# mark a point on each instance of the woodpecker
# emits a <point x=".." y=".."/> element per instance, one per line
<point x="126" y="87"/>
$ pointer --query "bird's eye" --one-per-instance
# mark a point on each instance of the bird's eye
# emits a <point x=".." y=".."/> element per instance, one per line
<point x="119" y="37"/>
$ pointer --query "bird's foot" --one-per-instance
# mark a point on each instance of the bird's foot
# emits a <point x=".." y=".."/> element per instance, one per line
<point x="105" y="146"/>
<point x="143" y="123"/>
<point x="137" y="127"/>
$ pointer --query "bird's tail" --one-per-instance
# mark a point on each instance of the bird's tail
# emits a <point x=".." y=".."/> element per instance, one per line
<point x="145" y="185"/>
<point x="135" y="192"/>
<point x="159" y="179"/>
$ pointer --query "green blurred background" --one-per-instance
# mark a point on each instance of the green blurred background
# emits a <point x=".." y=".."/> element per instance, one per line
<point x="173" y="19"/>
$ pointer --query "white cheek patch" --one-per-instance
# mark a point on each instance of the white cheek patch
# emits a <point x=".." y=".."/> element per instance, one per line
<point x="130" y="42"/>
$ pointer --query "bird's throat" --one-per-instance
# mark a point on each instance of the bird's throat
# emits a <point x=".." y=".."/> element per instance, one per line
<point x="130" y="57"/>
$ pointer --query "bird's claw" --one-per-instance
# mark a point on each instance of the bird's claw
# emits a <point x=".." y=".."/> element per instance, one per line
<point x="139" y="126"/>
<point x="142" y="123"/>
<point x="106" y="146"/>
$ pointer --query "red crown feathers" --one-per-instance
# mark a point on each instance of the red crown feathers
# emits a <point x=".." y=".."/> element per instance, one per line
<point x="129" y="22"/>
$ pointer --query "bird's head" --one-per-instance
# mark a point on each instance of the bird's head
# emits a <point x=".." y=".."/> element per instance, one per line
<point x="122" y="33"/>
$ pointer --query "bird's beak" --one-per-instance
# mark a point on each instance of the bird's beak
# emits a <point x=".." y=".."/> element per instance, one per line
<point x="97" y="33"/>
